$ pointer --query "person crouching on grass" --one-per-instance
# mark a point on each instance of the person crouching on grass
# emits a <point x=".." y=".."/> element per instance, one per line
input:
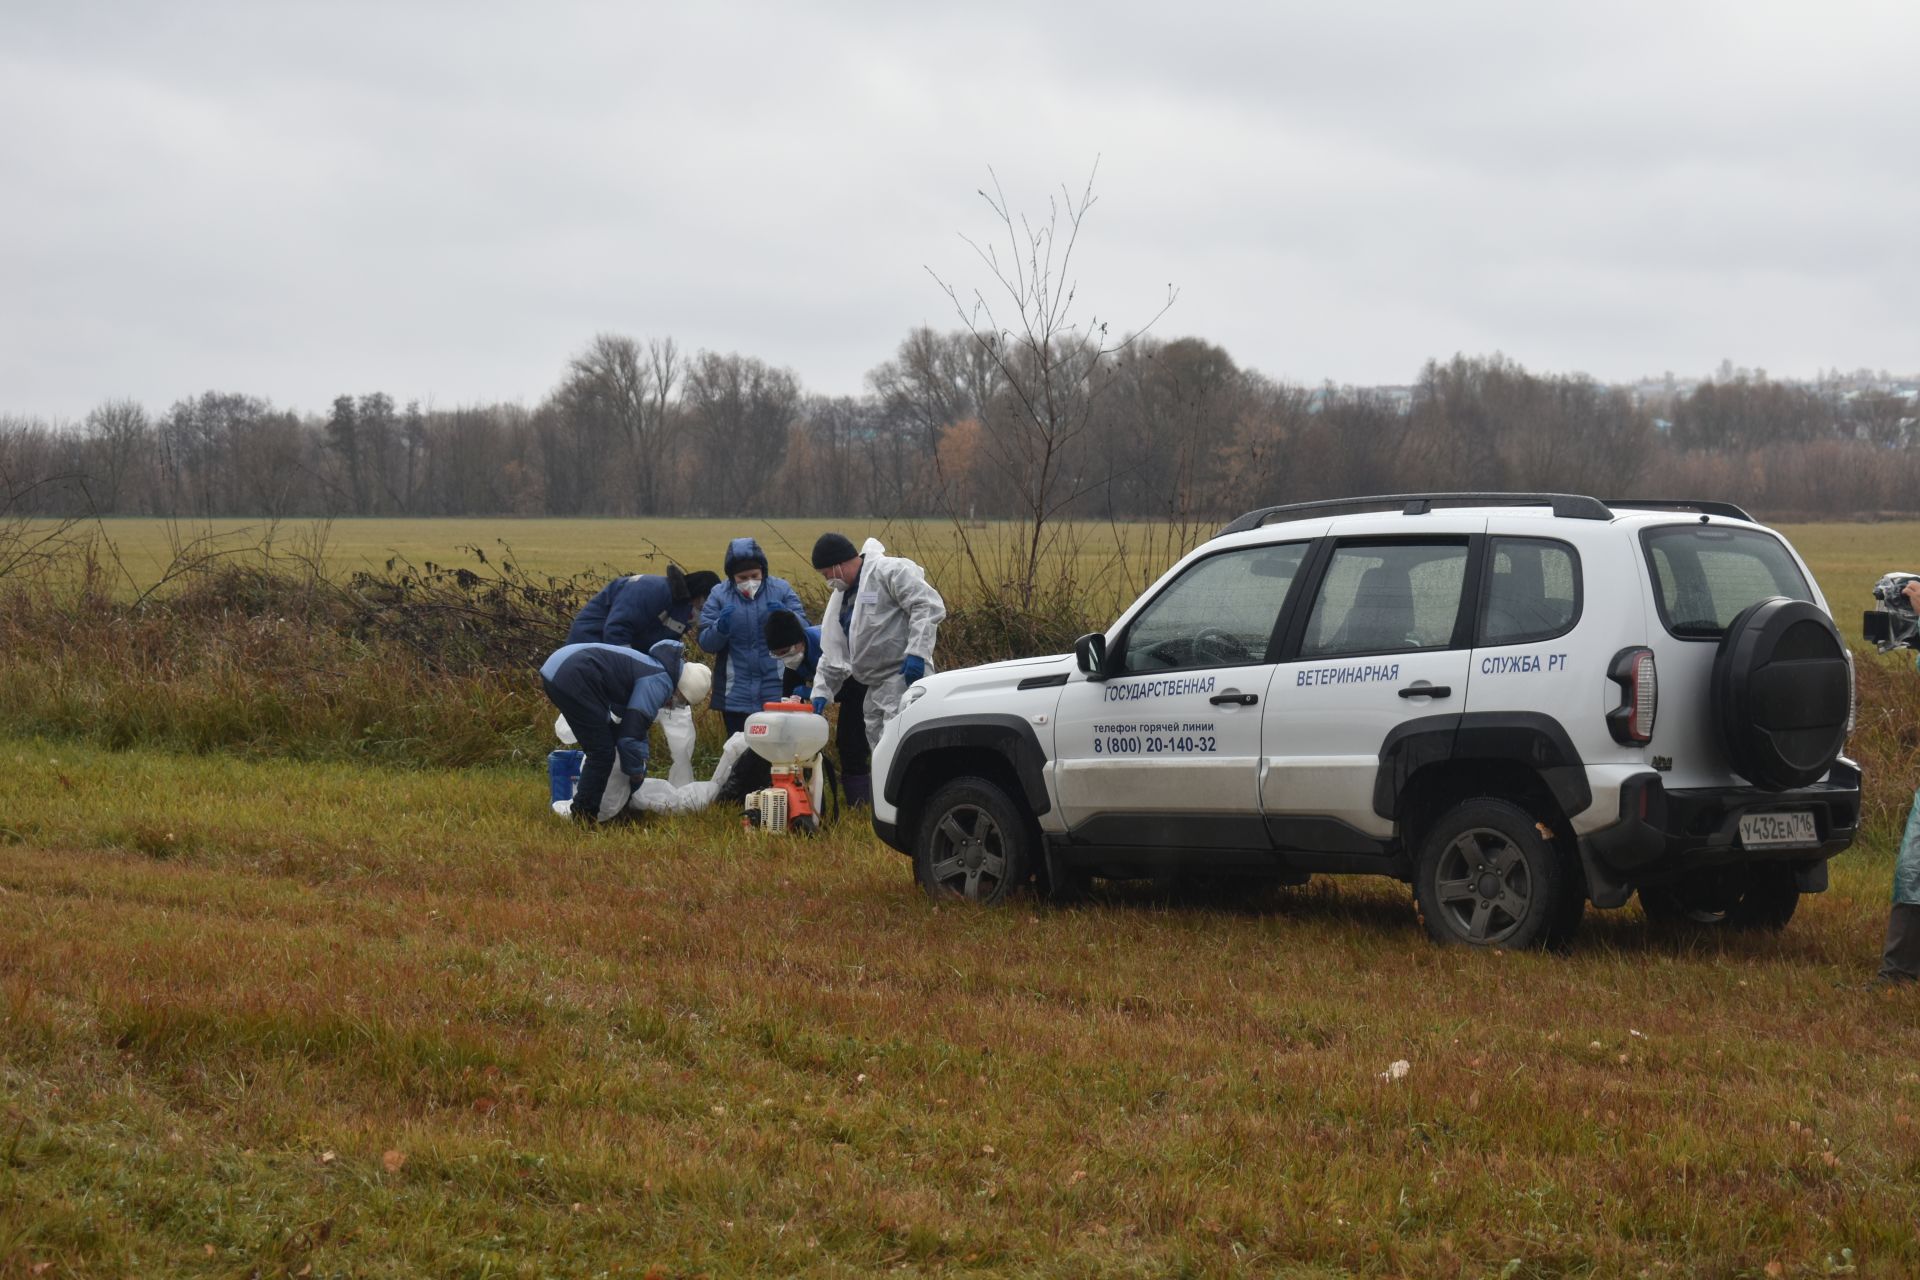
<point x="596" y="685"/>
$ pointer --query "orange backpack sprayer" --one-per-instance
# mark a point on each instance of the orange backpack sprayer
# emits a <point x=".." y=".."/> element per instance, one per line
<point x="790" y="737"/>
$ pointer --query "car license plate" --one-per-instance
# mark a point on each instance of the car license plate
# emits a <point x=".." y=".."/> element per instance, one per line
<point x="1778" y="830"/>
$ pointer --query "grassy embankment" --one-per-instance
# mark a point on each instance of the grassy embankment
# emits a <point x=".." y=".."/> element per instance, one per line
<point x="267" y="1016"/>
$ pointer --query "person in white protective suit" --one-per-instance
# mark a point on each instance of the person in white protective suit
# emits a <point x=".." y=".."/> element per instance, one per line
<point x="877" y="638"/>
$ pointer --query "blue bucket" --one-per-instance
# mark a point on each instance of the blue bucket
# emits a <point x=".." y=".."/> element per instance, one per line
<point x="563" y="772"/>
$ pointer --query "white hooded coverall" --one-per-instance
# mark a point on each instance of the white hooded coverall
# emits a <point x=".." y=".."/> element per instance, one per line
<point x="896" y="612"/>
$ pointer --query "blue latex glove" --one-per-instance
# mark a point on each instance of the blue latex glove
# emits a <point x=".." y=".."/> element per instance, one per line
<point x="725" y="619"/>
<point x="819" y="706"/>
<point x="913" y="668"/>
<point x="803" y="693"/>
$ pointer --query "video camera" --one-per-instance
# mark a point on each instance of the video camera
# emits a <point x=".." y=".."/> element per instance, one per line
<point x="1893" y="624"/>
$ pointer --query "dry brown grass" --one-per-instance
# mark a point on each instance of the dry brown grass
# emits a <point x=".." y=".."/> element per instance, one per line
<point x="259" y="1016"/>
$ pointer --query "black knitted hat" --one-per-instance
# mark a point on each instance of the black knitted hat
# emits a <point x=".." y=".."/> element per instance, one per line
<point x="784" y="630"/>
<point x="832" y="549"/>
<point x="701" y="581"/>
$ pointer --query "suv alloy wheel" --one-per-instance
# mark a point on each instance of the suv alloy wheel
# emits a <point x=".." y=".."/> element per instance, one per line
<point x="975" y="843"/>
<point x="1487" y="877"/>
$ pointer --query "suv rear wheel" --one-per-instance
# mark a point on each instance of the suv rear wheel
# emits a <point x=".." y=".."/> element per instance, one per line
<point x="1488" y="877"/>
<point x="1761" y="896"/>
<point x="975" y="843"/>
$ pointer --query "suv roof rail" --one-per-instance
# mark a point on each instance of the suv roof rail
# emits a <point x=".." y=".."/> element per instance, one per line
<point x="1571" y="506"/>
<point x="1726" y="509"/>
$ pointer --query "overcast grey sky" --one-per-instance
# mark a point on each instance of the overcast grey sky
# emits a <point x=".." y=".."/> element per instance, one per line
<point x="445" y="201"/>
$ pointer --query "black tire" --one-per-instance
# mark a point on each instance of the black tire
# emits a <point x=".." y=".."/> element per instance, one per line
<point x="1758" y="897"/>
<point x="1780" y="693"/>
<point x="975" y="842"/>
<point x="1487" y="877"/>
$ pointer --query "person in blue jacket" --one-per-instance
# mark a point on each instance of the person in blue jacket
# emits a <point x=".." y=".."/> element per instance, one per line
<point x="594" y="685"/>
<point x="797" y="646"/>
<point x="1900" y="958"/>
<point x="733" y="629"/>
<point x="642" y="609"/>
<point x="639" y="611"/>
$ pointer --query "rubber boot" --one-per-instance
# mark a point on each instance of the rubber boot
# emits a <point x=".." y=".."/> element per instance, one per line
<point x="859" y="788"/>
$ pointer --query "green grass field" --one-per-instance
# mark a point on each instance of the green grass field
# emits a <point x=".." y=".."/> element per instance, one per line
<point x="280" y="1018"/>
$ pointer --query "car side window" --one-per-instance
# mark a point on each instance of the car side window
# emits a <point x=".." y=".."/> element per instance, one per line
<point x="1532" y="591"/>
<point x="1387" y="598"/>
<point x="1219" y="613"/>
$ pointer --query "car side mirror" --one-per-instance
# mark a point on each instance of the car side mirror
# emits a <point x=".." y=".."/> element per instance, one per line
<point x="1090" y="655"/>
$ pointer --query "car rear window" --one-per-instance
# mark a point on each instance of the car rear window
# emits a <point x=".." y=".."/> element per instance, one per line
<point x="1705" y="575"/>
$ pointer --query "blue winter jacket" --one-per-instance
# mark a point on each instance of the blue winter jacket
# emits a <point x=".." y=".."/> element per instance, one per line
<point x="632" y="686"/>
<point x="746" y="675"/>
<point x="636" y="611"/>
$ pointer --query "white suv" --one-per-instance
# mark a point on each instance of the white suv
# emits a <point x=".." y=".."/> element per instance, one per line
<point x="1518" y="702"/>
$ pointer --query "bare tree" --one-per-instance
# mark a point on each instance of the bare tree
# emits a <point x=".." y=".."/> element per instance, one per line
<point x="29" y="474"/>
<point x="120" y="438"/>
<point x="1175" y="409"/>
<point x="621" y="390"/>
<point x="1049" y="363"/>
<point x="740" y="411"/>
<point x="343" y="438"/>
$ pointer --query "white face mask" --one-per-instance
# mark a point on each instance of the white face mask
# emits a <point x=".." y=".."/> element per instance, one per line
<point x="792" y="660"/>
<point x="834" y="584"/>
<point x="749" y="588"/>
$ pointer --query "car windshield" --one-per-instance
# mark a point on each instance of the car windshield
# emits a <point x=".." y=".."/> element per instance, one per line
<point x="1705" y="575"/>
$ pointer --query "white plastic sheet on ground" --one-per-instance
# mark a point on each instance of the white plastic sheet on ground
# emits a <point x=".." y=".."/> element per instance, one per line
<point x="659" y="795"/>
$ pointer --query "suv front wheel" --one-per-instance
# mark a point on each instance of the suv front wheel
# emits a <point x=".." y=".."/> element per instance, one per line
<point x="1487" y="877"/>
<point x="975" y="843"/>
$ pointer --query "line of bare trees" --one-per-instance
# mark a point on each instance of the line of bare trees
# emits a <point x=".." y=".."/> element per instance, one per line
<point x="1167" y="429"/>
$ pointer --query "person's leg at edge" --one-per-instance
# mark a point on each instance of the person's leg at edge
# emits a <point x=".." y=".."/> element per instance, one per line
<point x="595" y="734"/>
<point x="1900" y="957"/>
<point x="850" y="740"/>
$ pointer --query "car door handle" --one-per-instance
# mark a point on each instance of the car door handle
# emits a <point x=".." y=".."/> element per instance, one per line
<point x="1234" y="699"/>
<point x="1427" y="691"/>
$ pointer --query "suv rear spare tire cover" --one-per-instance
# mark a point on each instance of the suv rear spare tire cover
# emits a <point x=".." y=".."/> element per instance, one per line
<point x="1780" y="693"/>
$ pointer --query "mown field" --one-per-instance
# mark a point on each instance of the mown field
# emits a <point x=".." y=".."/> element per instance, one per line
<point x="1114" y="560"/>
<point x="1846" y="557"/>
<point x="370" y="1016"/>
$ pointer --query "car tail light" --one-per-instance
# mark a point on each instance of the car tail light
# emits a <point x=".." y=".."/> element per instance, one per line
<point x="1852" y="694"/>
<point x="1631" y="723"/>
